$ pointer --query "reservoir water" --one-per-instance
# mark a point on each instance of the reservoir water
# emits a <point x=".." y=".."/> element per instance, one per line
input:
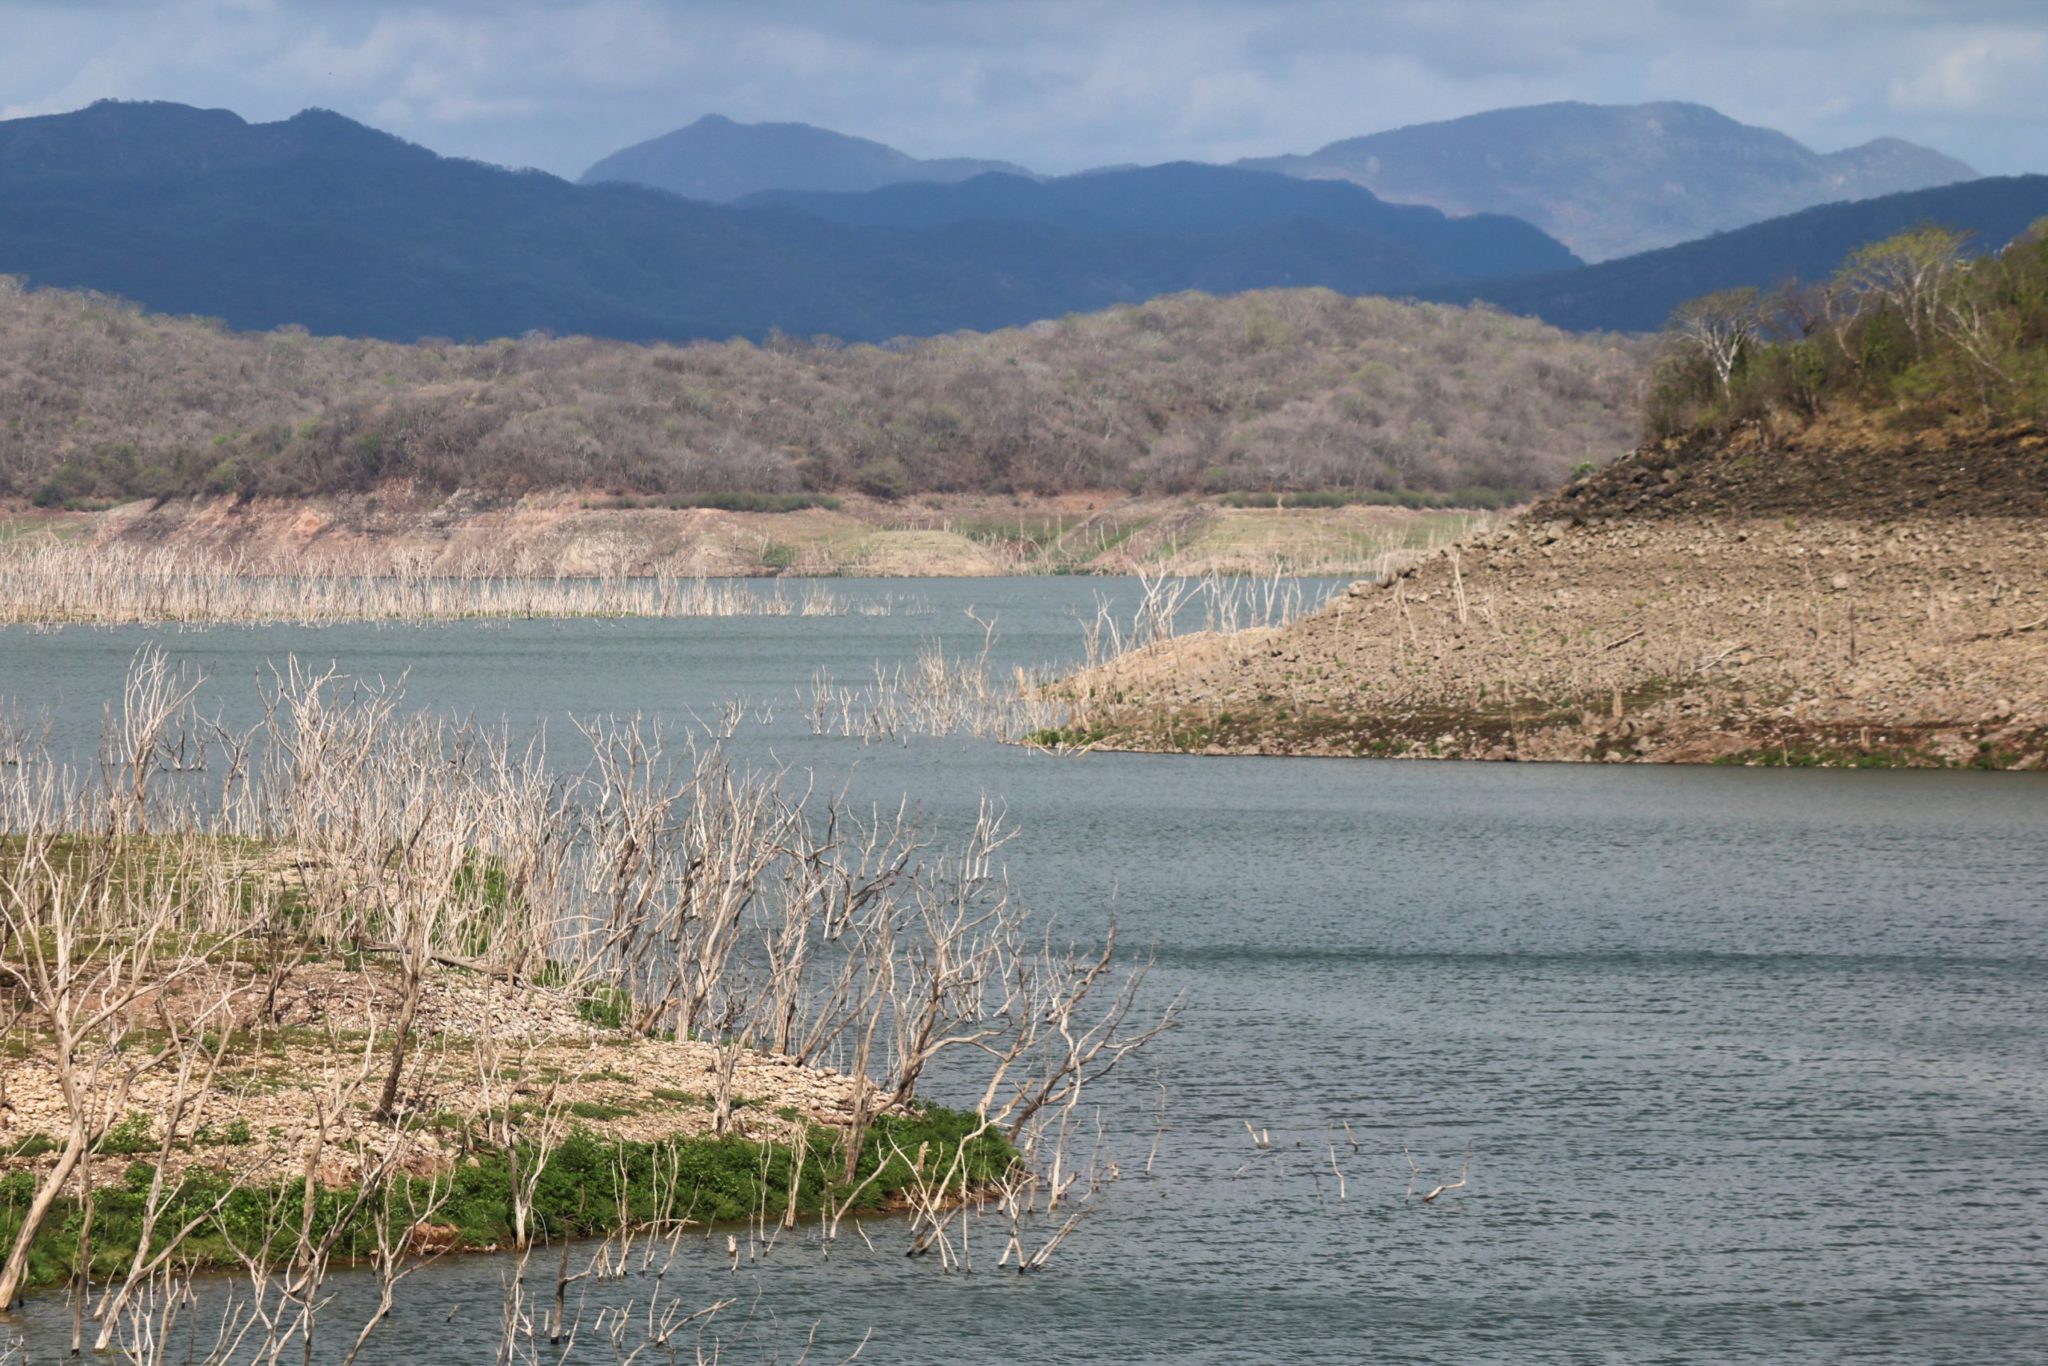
<point x="1752" y="1065"/>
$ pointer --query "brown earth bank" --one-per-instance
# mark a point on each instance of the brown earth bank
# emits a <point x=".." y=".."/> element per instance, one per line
<point x="936" y="536"/>
<point x="1845" y="595"/>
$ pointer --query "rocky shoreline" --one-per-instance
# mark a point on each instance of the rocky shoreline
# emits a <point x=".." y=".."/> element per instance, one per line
<point x="1841" y="597"/>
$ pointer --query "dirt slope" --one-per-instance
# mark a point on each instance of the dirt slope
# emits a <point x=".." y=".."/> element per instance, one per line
<point x="1844" y="596"/>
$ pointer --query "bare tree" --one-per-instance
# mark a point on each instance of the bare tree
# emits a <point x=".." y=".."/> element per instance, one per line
<point x="84" y="937"/>
<point x="1720" y="329"/>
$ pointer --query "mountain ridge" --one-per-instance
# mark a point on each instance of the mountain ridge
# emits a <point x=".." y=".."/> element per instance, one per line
<point x="1616" y="180"/>
<point x="1638" y="293"/>
<point x="719" y="160"/>
<point x="322" y="222"/>
<point x="1185" y="196"/>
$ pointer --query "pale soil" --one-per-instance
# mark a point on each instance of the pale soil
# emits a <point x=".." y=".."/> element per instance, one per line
<point x="1845" y="597"/>
<point x="317" y="1043"/>
<point x="950" y="536"/>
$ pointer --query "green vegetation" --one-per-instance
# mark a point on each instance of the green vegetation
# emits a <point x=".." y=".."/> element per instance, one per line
<point x="35" y="1145"/>
<point x="233" y="1134"/>
<point x="1065" y="737"/>
<point x="131" y="1136"/>
<point x="605" y="1005"/>
<point x="676" y="1097"/>
<point x="1471" y="496"/>
<point x="728" y="502"/>
<point x="580" y="1193"/>
<point x="1908" y="327"/>
<point x="1988" y="757"/>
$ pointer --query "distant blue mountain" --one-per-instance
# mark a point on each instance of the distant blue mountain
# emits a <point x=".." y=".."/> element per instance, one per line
<point x="719" y="160"/>
<point x="1190" y="198"/>
<point x="319" y="221"/>
<point x="1638" y="293"/>
<point x="1617" y="179"/>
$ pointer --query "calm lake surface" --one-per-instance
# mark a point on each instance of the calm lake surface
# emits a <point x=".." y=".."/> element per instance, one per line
<point x="1753" y="1065"/>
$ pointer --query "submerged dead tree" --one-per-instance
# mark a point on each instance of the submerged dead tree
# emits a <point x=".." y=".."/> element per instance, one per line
<point x="88" y="954"/>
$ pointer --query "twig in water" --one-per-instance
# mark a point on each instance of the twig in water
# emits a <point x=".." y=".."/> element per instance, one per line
<point x="1415" y="1171"/>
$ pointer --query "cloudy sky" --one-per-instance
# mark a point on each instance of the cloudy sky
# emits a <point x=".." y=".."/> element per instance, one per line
<point x="1056" y="84"/>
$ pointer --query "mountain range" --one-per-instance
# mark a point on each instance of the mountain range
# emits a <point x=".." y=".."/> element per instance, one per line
<point x="1615" y="180"/>
<point x="322" y="222"/>
<point x="1606" y="180"/>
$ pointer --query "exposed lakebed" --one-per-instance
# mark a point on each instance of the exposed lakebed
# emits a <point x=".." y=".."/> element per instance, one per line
<point x="1752" y="1064"/>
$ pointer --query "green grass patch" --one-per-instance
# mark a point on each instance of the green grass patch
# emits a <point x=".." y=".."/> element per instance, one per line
<point x="233" y="1134"/>
<point x="726" y="502"/>
<point x="35" y="1145"/>
<point x="1829" y="756"/>
<point x="1472" y="496"/>
<point x="590" y="1186"/>
<point x="605" y="1006"/>
<point x="675" y="1097"/>
<point x="1069" y="737"/>
<point x="134" y="1134"/>
<point x="598" y="1111"/>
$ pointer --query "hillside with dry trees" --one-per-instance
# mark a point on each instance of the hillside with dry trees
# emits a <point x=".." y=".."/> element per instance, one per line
<point x="1295" y="390"/>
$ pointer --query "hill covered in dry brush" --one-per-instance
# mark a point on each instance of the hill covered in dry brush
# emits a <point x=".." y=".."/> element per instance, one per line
<point x="1297" y="390"/>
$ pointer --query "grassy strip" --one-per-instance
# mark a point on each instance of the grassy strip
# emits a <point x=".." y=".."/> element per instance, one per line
<point x="1481" y="731"/>
<point x="1470" y="496"/>
<point x="1070" y="737"/>
<point x="590" y="1187"/>
<point x="1988" y="757"/>
<point x="722" y="502"/>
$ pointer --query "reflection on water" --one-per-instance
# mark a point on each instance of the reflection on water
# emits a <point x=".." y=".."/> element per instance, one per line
<point x="1753" y="1065"/>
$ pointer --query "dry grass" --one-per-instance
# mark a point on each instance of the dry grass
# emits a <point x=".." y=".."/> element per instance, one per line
<point x="66" y="582"/>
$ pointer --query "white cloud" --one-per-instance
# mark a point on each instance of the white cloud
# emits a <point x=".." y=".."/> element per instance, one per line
<point x="1976" y="72"/>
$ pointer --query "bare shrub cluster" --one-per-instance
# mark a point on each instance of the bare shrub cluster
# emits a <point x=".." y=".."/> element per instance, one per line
<point x="961" y="693"/>
<point x="1275" y="390"/>
<point x="59" y="582"/>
